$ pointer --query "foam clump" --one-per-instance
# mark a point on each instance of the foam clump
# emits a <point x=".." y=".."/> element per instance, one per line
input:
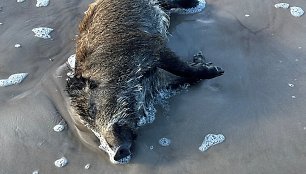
<point x="164" y="142"/>
<point x="200" y="7"/>
<point x="149" y="115"/>
<point x="281" y="5"/>
<point x="42" y="32"/>
<point x="42" y="3"/>
<point x="58" y="128"/>
<point x="71" y="64"/>
<point x="71" y="61"/>
<point x="142" y="121"/>
<point x="35" y="172"/>
<point x="13" y="79"/>
<point x="20" y="0"/>
<point x="17" y="45"/>
<point x="87" y="166"/>
<point x="296" y="11"/>
<point x="211" y="140"/>
<point x="62" y="162"/>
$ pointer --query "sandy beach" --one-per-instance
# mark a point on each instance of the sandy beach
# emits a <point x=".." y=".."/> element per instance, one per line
<point x="258" y="104"/>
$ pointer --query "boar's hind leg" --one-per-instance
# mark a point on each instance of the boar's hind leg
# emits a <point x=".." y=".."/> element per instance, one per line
<point x="169" y="4"/>
<point x="194" y="71"/>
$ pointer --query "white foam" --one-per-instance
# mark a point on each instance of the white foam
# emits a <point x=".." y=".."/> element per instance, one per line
<point x="282" y="5"/>
<point x="71" y="61"/>
<point x="150" y="113"/>
<point x="211" y="140"/>
<point x="62" y="162"/>
<point x="87" y="166"/>
<point x="20" y="0"/>
<point x="142" y="121"/>
<point x="42" y="3"/>
<point x="59" y="128"/>
<point x="13" y="79"/>
<point x="70" y="74"/>
<point x="290" y="84"/>
<point x="200" y="7"/>
<point x="296" y="11"/>
<point x="35" y="172"/>
<point x="42" y="32"/>
<point x="164" y="142"/>
<point x="17" y="45"/>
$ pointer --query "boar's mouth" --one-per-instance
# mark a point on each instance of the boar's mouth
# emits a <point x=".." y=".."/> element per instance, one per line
<point x="195" y="8"/>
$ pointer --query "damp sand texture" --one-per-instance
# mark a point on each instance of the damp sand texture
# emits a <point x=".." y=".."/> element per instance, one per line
<point x="251" y="104"/>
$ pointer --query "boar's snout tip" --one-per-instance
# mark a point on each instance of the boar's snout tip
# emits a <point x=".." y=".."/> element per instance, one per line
<point x="123" y="151"/>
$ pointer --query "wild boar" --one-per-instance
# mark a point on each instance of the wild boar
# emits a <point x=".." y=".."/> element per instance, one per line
<point x="120" y="58"/>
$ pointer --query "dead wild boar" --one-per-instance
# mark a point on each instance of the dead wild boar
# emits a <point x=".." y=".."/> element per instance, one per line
<point x="121" y="59"/>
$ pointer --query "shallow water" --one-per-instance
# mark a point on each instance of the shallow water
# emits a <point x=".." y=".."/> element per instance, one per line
<point x="251" y="104"/>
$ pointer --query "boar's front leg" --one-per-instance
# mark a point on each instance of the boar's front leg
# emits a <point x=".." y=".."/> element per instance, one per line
<point x="196" y="70"/>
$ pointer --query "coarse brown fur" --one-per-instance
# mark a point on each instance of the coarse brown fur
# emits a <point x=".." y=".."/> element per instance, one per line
<point x="120" y="48"/>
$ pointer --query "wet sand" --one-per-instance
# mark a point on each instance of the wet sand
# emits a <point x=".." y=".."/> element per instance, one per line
<point x="251" y="104"/>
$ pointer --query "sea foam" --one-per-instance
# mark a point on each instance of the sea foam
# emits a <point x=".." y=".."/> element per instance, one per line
<point x="13" y="79"/>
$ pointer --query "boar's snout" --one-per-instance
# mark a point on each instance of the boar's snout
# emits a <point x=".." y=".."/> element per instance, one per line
<point x="119" y="140"/>
<point x="122" y="152"/>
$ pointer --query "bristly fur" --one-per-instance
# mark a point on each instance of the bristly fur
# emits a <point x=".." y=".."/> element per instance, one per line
<point x="120" y="52"/>
<point x="117" y="50"/>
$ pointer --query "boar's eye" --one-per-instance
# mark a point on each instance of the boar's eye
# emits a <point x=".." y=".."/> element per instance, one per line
<point x="92" y="110"/>
<point x="92" y="84"/>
